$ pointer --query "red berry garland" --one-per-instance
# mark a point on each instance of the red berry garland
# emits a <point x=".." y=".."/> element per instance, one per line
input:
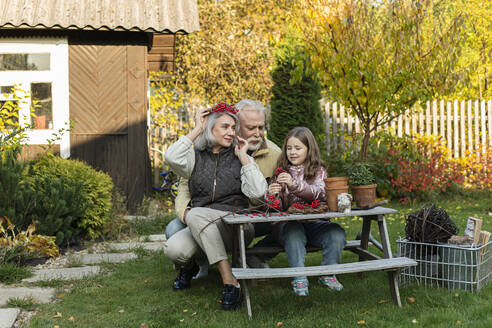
<point x="224" y="107"/>
<point x="280" y="170"/>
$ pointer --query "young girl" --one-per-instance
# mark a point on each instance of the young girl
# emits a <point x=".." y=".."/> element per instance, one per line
<point x="301" y="182"/>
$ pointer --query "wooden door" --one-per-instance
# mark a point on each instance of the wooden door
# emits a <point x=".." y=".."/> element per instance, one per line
<point x="108" y="91"/>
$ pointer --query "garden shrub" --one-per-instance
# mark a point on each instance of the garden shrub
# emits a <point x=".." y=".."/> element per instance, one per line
<point x="59" y="207"/>
<point x="17" y="198"/>
<point x="415" y="167"/>
<point x="294" y="103"/>
<point x="96" y="190"/>
<point x="424" y="167"/>
<point x="477" y="168"/>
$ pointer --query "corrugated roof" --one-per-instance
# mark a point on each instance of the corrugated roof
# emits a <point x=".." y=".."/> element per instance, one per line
<point x="119" y="15"/>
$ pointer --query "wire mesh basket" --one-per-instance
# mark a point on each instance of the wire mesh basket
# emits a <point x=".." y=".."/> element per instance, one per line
<point x="446" y="265"/>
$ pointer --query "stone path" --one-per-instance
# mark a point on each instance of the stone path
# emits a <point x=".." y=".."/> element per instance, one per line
<point x="59" y="270"/>
<point x="7" y="317"/>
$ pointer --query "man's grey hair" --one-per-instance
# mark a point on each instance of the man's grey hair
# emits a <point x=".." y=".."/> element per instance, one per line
<point x="207" y="138"/>
<point x="248" y="104"/>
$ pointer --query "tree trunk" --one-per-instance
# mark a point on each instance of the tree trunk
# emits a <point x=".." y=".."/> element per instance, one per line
<point x="365" y="143"/>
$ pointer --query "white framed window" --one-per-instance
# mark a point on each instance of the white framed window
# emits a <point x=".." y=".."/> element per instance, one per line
<point x="38" y="66"/>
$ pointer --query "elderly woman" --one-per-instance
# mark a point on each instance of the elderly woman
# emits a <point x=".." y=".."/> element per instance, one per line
<point x="221" y="179"/>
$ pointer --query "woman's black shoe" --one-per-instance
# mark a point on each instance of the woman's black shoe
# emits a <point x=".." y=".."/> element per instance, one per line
<point x="183" y="280"/>
<point x="231" y="297"/>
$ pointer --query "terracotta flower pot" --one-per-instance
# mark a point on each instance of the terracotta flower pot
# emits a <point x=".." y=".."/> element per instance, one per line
<point x="336" y="182"/>
<point x="40" y="122"/>
<point x="331" y="196"/>
<point x="364" y="195"/>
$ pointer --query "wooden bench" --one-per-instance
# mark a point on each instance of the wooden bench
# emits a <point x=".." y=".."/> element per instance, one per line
<point x="392" y="264"/>
<point x="367" y="260"/>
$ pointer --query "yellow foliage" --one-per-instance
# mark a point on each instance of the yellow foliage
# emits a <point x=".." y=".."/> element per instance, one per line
<point x="9" y="116"/>
<point x="33" y="243"/>
<point x="169" y="108"/>
<point x="477" y="168"/>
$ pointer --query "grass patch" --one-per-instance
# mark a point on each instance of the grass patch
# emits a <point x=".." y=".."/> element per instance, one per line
<point x="74" y="262"/>
<point x="26" y="303"/>
<point x="11" y="273"/>
<point x="155" y="225"/>
<point x="139" y="291"/>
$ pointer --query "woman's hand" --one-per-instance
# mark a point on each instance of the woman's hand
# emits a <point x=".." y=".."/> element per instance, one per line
<point x="201" y="117"/>
<point x="286" y="178"/>
<point x="241" y="150"/>
<point x="274" y="188"/>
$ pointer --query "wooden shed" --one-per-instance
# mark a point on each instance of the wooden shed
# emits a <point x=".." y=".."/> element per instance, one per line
<point x="86" y="61"/>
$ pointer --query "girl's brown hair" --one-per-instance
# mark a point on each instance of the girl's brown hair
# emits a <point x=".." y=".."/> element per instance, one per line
<point x="313" y="158"/>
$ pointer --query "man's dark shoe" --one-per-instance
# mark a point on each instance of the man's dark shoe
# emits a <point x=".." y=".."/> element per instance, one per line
<point x="231" y="298"/>
<point x="183" y="280"/>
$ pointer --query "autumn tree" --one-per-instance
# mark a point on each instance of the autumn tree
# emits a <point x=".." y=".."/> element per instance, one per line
<point x="475" y="62"/>
<point x="231" y="57"/>
<point x="378" y="58"/>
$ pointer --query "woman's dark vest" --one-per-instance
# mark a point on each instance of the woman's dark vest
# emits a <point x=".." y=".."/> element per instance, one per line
<point x="216" y="181"/>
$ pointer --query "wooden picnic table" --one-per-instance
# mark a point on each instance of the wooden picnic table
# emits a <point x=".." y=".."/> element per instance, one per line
<point x="371" y="262"/>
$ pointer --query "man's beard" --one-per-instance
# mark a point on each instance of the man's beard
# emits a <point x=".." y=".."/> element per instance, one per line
<point x="257" y="146"/>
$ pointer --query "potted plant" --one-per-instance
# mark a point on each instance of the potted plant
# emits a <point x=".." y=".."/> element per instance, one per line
<point x="361" y="180"/>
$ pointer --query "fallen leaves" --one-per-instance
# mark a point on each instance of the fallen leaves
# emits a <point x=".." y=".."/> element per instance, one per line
<point x="458" y="322"/>
<point x="57" y="315"/>
<point x="121" y="311"/>
<point x="412" y="299"/>
<point x="383" y="301"/>
<point x="414" y="320"/>
<point x="185" y="310"/>
<point x="361" y="322"/>
<point x="280" y="324"/>
<point x="144" y="325"/>
<point x="72" y="318"/>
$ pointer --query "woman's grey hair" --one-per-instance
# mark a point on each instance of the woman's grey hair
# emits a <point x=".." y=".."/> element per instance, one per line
<point x="248" y="104"/>
<point x="207" y="138"/>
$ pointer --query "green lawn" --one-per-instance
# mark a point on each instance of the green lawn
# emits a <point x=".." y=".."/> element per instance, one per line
<point x="140" y="292"/>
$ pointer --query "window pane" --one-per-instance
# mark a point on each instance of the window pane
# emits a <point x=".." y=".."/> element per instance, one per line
<point x="6" y="89"/>
<point x="41" y="92"/>
<point x="25" y="62"/>
<point x="9" y="112"/>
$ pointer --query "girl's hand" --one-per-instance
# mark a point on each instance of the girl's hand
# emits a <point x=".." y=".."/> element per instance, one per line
<point x="274" y="188"/>
<point x="286" y="178"/>
<point x="241" y="150"/>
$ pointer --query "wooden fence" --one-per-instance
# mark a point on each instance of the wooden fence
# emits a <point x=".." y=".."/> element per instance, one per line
<point x="464" y="125"/>
<point x="161" y="137"/>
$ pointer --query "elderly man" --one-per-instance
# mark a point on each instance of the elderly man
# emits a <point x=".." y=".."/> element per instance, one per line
<point x="184" y="249"/>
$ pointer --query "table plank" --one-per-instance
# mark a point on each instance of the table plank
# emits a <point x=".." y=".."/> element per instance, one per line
<point x="275" y="217"/>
